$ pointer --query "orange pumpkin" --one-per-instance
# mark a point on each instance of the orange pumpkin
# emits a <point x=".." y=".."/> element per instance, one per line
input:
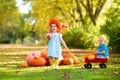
<point x="60" y="62"/>
<point x="48" y="37"/>
<point x="47" y="62"/>
<point x="68" y="61"/>
<point x="76" y="61"/>
<point x="24" y="64"/>
<point x="44" y="54"/>
<point x="67" y="55"/>
<point x="35" y="59"/>
<point x="42" y="61"/>
<point x="89" y="55"/>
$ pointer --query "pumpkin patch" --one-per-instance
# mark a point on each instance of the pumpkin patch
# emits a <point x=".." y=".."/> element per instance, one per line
<point x="41" y="59"/>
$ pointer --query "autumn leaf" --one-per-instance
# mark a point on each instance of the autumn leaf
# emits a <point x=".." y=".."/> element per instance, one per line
<point x="17" y="71"/>
<point x="105" y="73"/>
<point x="66" y="75"/>
<point x="116" y="73"/>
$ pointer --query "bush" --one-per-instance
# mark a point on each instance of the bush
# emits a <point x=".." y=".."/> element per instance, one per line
<point x="112" y="29"/>
<point x="81" y="37"/>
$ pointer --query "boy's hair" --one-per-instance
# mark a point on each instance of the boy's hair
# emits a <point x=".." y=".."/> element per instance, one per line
<point x="53" y="21"/>
<point x="103" y="37"/>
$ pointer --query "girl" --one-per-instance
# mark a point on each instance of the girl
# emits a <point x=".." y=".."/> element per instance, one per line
<point x="54" y="43"/>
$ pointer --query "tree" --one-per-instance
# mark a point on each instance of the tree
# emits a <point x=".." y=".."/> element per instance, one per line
<point x="93" y="9"/>
<point x="73" y="13"/>
<point x="69" y="12"/>
<point x="9" y="21"/>
<point x="112" y="26"/>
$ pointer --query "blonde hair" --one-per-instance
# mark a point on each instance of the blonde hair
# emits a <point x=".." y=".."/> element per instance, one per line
<point x="103" y="37"/>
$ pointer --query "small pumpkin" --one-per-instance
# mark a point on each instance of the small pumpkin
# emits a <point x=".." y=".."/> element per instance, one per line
<point x="91" y="57"/>
<point x="24" y="65"/>
<point x="88" y="54"/>
<point x="68" y="61"/>
<point x="48" y="37"/>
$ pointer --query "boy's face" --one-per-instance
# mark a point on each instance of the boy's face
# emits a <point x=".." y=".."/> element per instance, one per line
<point x="101" y="41"/>
<point x="53" y="28"/>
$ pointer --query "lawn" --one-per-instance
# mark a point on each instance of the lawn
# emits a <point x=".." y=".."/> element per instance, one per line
<point x="12" y="58"/>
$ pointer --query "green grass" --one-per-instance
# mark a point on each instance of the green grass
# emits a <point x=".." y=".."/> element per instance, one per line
<point x="10" y="68"/>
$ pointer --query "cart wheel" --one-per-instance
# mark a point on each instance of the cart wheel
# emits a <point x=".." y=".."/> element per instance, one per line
<point x="88" y="65"/>
<point x="103" y="65"/>
<point x="85" y="65"/>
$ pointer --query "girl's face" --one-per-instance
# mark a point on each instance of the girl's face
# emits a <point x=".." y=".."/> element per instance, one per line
<point x="53" y="28"/>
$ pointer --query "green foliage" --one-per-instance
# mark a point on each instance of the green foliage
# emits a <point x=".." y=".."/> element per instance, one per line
<point x="66" y="11"/>
<point x="10" y="20"/>
<point x="81" y="37"/>
<point x="112" y="27"/>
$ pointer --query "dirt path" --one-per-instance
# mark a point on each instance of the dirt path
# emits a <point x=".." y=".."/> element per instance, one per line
<point x="20" y="46"/>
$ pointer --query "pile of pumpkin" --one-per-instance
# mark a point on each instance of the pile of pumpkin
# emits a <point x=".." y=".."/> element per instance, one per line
<point x="41" y="59"/>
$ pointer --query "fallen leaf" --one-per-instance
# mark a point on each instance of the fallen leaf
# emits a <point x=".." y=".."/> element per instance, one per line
<point x="105" y="73"/>
<point x="97" y="72"/>
<point x="66" y="75"/>
<point x="116" y="73"/>
<point x="17" y="71"/>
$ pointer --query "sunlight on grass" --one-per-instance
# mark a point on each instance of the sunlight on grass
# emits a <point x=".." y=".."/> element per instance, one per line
<point x="11" y="69"/>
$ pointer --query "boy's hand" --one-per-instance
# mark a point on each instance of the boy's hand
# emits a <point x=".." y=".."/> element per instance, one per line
<point x="95" y="52"/>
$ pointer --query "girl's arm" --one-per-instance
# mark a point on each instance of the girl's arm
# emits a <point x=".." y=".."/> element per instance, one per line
<point x="63" y="42"/>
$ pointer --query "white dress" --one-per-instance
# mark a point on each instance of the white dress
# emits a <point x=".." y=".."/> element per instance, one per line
<point x="54" y="46"/>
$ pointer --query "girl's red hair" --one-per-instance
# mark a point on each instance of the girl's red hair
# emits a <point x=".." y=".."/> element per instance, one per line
<point x="53" y="21"/>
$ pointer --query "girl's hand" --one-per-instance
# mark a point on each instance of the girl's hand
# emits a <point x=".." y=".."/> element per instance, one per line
<point x="48" y="36"/>
<point x="66" y="47"/>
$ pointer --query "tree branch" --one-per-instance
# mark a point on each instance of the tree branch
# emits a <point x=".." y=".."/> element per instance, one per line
<point x="90" y="11"/>
<point x="62" y="12"/>
<point x="79" y="11"/>
<point x="99" y="7"/>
